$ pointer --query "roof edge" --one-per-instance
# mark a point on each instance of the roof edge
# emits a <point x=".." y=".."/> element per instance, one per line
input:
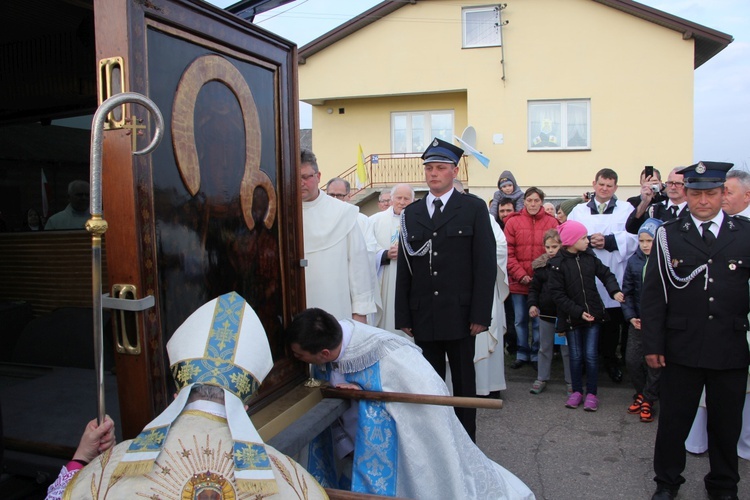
<point x="366" y="18"/>
<point x="709" y="42"/>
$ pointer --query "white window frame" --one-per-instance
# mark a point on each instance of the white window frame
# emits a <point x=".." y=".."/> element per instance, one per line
<point x="428" y="134"/>
<point x="490" y="41"/>
<point x="558" y="138"/>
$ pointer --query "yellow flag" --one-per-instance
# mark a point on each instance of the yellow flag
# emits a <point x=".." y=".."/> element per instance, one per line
<point x="361" y="173"/>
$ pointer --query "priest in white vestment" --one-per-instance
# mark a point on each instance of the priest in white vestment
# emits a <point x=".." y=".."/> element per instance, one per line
<point x="605" y="217"/>
<point x="489" y="358"/>
<point x="203" y="445"/>
<point x="405" y="450"/>
<point x="341" y="190"/>
<point x="385" y="229"/>
<point x="338" y="275"/>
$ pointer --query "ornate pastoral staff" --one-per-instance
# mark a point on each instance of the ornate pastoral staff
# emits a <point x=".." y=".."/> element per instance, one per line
<point x="97" y="226"/>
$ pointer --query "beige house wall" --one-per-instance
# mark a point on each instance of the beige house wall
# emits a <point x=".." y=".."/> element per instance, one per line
<point x="638" y="76"/>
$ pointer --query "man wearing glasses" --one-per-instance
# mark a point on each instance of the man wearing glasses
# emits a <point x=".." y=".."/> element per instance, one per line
<point x="674" y="206"/>
<point x="335" y="250"/>
<point x="384" y="201"/>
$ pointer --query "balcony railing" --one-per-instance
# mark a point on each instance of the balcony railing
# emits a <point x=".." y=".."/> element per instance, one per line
<point x="385" y="170"/>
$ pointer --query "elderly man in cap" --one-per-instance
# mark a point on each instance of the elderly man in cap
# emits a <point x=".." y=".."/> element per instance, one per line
<point x="694" y="308"/>
<point x="203" y="445"/>
<point x="446" y="273"/>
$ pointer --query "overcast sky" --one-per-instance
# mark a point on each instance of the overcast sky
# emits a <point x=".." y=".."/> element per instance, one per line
<point x="722" y="85"/>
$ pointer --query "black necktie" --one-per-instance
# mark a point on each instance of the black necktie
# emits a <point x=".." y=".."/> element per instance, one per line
<point x="708" y="236"/>
<point x="437" y="203"/>
<point x="674" y="209"/>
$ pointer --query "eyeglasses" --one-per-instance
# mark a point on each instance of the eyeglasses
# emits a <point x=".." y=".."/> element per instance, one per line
<point x="338" y="196"/>
<point x="385" y="201"/>
<point x="674" y="184"/>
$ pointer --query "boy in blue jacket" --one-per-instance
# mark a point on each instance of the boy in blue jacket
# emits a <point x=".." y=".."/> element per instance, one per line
<point x="645" y="380"/>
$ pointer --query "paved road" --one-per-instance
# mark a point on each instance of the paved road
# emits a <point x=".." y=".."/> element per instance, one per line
<point x="566" y="454"/>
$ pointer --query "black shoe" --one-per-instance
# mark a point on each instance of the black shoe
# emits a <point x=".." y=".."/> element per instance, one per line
<point x="721" y="496"/>
<point x="663" y="493"/>
<point x="518" y="364"/>
<point x="615" y="373"/>
<point x="535" y="365"/>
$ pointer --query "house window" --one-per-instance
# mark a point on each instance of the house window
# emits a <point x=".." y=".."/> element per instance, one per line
<point x="412" y="131"/>
<point x="559" y="124"/>
<point x="481" y="26"/>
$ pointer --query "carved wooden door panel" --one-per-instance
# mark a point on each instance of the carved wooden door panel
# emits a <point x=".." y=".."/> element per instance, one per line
<point x="214" y="208"/>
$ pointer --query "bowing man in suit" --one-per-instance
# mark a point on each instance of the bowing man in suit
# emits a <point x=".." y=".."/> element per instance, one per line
<point x="446" y="274"/>
<point x="694" y="308"/>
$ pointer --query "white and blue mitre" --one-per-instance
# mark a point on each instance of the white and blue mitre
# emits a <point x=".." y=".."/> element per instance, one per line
<point x="222" y="344"/>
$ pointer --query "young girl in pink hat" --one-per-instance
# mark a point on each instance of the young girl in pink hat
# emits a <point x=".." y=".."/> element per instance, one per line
<point x="580" y="310"/>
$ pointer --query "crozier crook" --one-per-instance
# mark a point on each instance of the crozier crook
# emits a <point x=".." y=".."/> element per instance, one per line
<point x="97" y="226"/>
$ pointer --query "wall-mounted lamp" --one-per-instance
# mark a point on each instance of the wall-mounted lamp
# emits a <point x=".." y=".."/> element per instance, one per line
<point x="329" y="111"/>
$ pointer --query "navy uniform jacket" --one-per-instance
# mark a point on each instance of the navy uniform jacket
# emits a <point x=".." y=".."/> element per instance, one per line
<point x="696" y="327"/>
<point x="655" y="210"/>
<point x="439" y="301"/>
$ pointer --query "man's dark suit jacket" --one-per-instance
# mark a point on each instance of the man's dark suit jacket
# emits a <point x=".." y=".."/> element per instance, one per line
<point x="655" y="210"/>
<point x="439" y="300"/>
<point x="699" y="328"/>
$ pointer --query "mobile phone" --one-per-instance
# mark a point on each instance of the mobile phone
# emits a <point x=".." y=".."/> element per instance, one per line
<point x="649" y="171"/>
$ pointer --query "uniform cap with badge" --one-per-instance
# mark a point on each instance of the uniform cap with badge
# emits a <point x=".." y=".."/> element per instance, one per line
<point x="705" y="174"/>
<point x="440" y="151"/>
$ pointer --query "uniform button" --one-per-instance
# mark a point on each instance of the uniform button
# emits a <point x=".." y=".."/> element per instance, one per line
<point x="739" y="262"/>
<point x="710" y="299"/>
<point x="460" y="232"/>
<point x="711" y="316"/>
<point x="434" y="234"/>
<point x="437" y="293"/>
<point x="710" y="261"/>
<point x="434" y="273"/>
<point x="434" y="253"/>
<point x="710" y="280"/>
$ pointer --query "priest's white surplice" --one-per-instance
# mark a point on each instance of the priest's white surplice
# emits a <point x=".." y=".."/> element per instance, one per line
<point x="385" y="227"/>
<point x="606" y="224"/>
<point x="410" y="450"/>
<point x="489" y="358"/>
<point x="338" y="274"/>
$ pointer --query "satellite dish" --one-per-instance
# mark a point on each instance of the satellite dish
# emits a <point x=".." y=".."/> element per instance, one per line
<point x="469" y="142"/>
<point x="470" y="136"/>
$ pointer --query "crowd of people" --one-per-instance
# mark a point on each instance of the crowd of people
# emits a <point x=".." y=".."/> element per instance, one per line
<point x="575" y="275"/>
<point x="424" y="292"/>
